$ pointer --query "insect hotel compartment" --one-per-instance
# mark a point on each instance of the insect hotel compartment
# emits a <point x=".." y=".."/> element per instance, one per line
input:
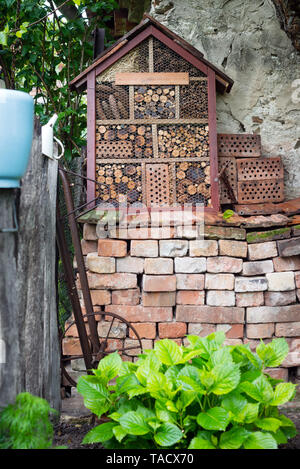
<point x="152" y="131"/>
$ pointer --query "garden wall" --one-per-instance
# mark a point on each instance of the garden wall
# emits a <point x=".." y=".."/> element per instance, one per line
<point x="169" y="281"/>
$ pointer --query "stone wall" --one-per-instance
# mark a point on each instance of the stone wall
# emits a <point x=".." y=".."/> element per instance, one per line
<point x="194" y="279"/>
<point x="244" y="38"/>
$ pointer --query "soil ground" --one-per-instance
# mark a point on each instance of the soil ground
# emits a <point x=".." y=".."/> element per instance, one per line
<point x="76" y="421"/>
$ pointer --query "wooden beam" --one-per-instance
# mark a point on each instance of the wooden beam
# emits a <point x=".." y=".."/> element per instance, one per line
<point x="126" y="78"/>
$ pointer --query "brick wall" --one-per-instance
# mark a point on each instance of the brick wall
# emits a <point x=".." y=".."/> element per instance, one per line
<point x="169" y="283"/>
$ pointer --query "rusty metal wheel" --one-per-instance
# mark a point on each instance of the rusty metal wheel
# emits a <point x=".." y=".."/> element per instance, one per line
<point x="97" y="356"/>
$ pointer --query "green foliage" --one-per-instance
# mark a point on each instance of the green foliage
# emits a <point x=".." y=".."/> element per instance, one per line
<point x="26" y="424"/>
<point x="203" y="396"/>
<point x="44" y="51"/>
<point x="228" y="214"/>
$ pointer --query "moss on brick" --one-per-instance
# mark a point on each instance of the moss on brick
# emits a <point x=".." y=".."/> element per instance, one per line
<point x="270" y="235"/>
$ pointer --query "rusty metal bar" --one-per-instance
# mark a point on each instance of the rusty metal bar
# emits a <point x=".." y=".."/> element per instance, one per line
<point x="76" y="307"/>
<point x="80" y="262"/>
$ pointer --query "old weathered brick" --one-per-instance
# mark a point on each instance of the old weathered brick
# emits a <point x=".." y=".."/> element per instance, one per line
<point x="130" y="264"/>
<point x="221" y="232"/>
<point x="89" y="232"/>
<point x="297" y="279"/>
<point x="232" y="248"/>
<point x="113" y="345"/>
<point x="270" y="235"/>
<point x="116" y="281"/>
<point x="203" y="247"/>
<point x="157" y="283"/>
<point x="257" y="267"/>
<point x="233" y="341"/>
<point x="220" y="298"/>
<point x="112" y="248"/>
<point x="280" y="298"/>
<point x="147" y="248"/>
<point x="190" y="281"/>
<point x="250" y="299"/>
<point x="159" y="266"/>
<point x="140" y="313"/>
<point x="259" y="251"/>
<point x="173" y="248"/>
<point x="293" y="357"/>
<point x="224" y="264"/>
<point x="190" y="265"/>
<point x="101" y="265"/>
<point x="130" y="343"/>
<point x="88" y="246"/>
<point x="219" y="281"/>
<point x="210" y="314"/>
<point x="146" y="330"/>
<point x="281" y="281"/>
<point x="285" y="264"/>
<point x="265" y="314"/>
<point x="71" y="346"/>
<point x="125" y="297"/>
<point x="260" y="331"/>
<point x="232" y="331"/>
<point x="201" y="329"/>
<point x="186" y="232"/>
<point x="116" y="331"/>
<point x="250" y="284"/>
<point x="143" y="233"/>
<point x="159" y="299"/>
<point x="278" y="373"/>
<point x="289" y="247"/>
<point x="171" y="330"/>
<point x="290" y="329"/>
<point x="100" y="297"/>
<point x="190" y="297"/>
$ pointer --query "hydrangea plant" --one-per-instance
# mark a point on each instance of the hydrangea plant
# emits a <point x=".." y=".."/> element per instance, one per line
<point x="203" y="396"/>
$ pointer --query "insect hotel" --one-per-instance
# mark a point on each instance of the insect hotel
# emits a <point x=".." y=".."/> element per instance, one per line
<point x="152" y="141"/>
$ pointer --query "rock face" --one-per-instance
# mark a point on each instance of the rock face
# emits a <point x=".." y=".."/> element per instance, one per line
<point x="244" y="39"/>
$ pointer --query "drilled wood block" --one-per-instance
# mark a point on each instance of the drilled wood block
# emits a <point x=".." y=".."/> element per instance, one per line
<point x="114" y="149"/>
<point x="239" y="145"/>
<point x="157" y="184"/>
<point x="259" y="168"/>
<point x="254" y="192"/>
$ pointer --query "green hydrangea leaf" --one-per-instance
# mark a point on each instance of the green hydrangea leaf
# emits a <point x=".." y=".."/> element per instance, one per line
<point x="234" y="438"/>
<point x="283" y="393"/>
<point x="110" y="366"/>
<point x="100" y="433"/>
<point x="259" y="440"/>
<point x="134" y="423"/>
<point x="269" y="424"/>
<point x="168" y="352"/>
<point x="215" y="418"/>
<point x="168" y="434"/>
<point x="226" y="378"/>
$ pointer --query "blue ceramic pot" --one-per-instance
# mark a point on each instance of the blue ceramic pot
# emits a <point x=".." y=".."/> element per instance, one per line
<point x="16" y="132"/>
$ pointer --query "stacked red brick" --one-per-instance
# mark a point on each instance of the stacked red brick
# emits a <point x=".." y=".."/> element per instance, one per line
<point x="173" y="287"/>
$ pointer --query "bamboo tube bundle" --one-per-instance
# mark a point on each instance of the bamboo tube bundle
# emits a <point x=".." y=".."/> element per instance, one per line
<point x="112" y="101"/>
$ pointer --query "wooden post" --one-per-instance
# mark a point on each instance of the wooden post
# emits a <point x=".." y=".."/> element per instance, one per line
<point x="28" y="260"/>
